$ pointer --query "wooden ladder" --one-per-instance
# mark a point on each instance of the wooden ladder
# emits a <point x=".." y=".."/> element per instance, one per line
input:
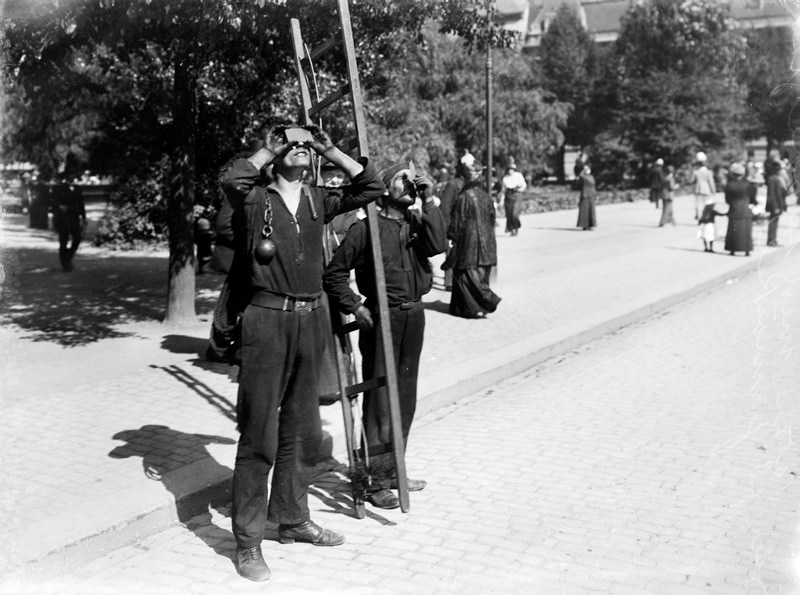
<point x="349" y="391"/>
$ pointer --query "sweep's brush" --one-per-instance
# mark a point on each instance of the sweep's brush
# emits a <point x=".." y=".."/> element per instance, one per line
<point x="361" y="479"/>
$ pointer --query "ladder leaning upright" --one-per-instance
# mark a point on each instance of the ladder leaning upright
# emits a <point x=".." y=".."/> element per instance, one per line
<point x="349" y="391"/>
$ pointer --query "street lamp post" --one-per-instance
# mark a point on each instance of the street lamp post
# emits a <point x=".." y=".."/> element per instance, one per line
<point x="489" y="140"/>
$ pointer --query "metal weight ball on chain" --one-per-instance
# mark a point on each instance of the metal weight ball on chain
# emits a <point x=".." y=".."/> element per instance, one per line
<point x="265" y="249"/>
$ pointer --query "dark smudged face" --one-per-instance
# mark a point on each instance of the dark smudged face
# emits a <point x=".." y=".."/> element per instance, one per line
<point x="398" y="190"/>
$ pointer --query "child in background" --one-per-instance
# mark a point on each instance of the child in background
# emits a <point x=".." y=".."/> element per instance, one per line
<point x="708" y="230"/>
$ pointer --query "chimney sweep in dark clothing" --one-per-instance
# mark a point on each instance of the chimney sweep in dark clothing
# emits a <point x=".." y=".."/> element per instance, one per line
<point x="409" y="236"/>
<point x="278" y="260"/>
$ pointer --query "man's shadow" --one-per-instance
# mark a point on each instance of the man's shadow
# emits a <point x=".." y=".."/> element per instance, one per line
<point x="177" y="460"/>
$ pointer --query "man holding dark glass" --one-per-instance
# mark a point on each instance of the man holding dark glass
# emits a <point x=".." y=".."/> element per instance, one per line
<point x="278" y="265"/>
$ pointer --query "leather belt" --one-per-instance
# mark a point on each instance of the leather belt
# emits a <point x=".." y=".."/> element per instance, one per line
<point x="264" y="299"/>
<point x="409" y="305"/>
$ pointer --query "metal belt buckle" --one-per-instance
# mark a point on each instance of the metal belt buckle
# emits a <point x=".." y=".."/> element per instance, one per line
<point x="302" y="306"/>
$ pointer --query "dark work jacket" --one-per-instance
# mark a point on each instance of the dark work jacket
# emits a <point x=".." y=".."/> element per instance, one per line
<point x="776" y="195"/>
<point x="68" y="202"/>
<point x="406" y="245"/>
<point x="297" y="267"/>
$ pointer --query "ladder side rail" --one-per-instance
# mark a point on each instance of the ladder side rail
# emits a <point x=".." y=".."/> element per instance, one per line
<point x="299" y="51"/>
<point x="341" y="343"/>
<point x="377" y="258"/>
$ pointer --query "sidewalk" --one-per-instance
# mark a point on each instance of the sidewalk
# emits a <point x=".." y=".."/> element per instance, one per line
<point x="116" y="427"/>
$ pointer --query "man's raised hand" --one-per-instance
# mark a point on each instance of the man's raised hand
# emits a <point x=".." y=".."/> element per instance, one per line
<point x="322" y="143"/>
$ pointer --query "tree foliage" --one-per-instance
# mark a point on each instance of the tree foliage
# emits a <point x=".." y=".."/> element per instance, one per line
<point x="567" y="55"/>
<point x="122" y="84"/>
<point x="772" y="91"/>
<point x="431" y="104"/>
<point x="676" y="80"/>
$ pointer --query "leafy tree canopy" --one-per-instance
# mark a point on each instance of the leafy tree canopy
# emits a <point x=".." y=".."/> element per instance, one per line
<point x="677" y="86"/>
<point x="772" y="90"/>
<point x="431" y="104"/>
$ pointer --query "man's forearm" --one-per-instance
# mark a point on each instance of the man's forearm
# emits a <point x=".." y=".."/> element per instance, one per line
<point x="261" y="158"/>
<point x="344" y="162"/>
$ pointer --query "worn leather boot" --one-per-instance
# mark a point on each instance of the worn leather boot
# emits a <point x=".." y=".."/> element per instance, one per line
<point x="250" y="564"/>
<point x="383" y="499"/>
<point x="309" y="532"/>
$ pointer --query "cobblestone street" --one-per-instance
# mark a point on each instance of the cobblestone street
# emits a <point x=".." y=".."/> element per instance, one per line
<point x="658" y="459"/>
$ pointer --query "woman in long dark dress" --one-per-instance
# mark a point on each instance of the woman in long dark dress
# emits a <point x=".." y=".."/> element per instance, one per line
<point x="587" y="218"/>
<point x="739" y="237"/>
<point x="474" y="251"/>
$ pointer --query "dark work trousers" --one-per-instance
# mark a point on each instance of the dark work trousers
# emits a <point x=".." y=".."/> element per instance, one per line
<point x="278" y="415"/>
<point x="69" y="238"/>
<point x="408" y="328"/>
<point x="772" y="229"/>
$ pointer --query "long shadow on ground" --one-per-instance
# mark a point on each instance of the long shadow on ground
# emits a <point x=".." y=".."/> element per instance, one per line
<point x="164" y="451"/>
<point x="94" y="301"/>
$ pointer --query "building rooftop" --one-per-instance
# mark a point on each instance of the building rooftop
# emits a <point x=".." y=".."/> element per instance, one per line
<point x="603" y="18"/>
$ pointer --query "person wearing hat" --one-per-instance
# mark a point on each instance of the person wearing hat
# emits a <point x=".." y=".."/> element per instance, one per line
<point x="512" y="183"/>
<point x="704" y="186"/>
<point x="777" y="191"/>
<point x="278" y="264"/>
<point x="657" y="178"/>
<point x="474" y="251"/>
<point x="447" y="198"/>
<point x="69" y="220"/>
<point x="587" y="217"/>
<point x="411" y="230"/>
<point x="739" y="235"/>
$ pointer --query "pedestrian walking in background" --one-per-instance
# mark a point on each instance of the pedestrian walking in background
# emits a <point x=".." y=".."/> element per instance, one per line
<point x="703" y="184"/>
<point x="511" y="185"/>
<point x="474" y="251"/>
<point x="707" y="223"/>
<point x="667" y="215"/>
<point x="587" y="218"/>
<point x="657" y="182"/>
<point x="411" y="231"/>
<point x="284" y="331"/>
<point x="69" y="220"/>
<point x="777" y="191"/>
<point x="739" y="235"/>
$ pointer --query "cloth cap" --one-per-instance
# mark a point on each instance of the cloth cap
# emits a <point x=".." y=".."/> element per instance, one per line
<point x="737" y="169"/>
<point x="701" y="157"/>
<point x="659" y="161"/>
<point x="391" y="171"/>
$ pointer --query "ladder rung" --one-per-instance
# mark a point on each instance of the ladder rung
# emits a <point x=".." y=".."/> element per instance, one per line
<point x="349" y="327"/>
<point x="318" y="51"/>
<point x="349" y="145"/>
<point x="335" y="96"/>
<point x="361" y="387"/>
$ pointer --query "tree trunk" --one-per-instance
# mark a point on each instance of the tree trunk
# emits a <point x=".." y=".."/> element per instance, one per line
<point x="180" y="216"/>
<point x="560" y="175"/>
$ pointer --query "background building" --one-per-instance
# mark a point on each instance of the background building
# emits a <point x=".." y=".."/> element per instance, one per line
<point x="602" y="18"/>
